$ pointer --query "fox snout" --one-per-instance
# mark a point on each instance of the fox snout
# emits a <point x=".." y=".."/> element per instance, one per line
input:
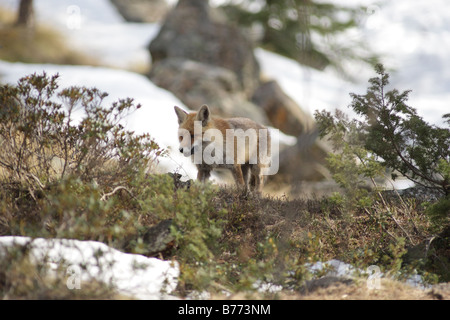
<point x="238" y="144"/>
<point x="186" y="151"/>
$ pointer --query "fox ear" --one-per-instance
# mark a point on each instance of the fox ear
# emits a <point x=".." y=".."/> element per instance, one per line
<point x="203" y="115"/>
<point x="181" y="114"/>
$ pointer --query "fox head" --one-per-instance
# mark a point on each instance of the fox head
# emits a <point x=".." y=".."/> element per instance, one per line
<point x="190" y="133"/>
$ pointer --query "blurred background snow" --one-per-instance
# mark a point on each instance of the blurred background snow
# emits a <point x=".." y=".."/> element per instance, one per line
<point x="412" y="39"/>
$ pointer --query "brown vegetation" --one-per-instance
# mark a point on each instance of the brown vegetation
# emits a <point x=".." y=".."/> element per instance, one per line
<point x="40" y="44"/>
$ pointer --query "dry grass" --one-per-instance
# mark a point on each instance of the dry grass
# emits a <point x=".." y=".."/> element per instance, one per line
<point x="358" y="290"/>
<point x="225" y="238"/>
<point x="41" y="45"/>
<point x="23" y="279"/>
<point x="308" y="230"/>
<point x="389" y="290"/>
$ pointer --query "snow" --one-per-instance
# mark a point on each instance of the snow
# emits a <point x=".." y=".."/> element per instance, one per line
<point x="156" y="116"/>
<point x="132" y="275"/>
<point x="96" y="28"/>
<point x="311" y="89"/>
<point x="337" y="268"/>
<point x="415" y="43"/>
<point x="334" y="268"/>
<point x="413" y="40"/>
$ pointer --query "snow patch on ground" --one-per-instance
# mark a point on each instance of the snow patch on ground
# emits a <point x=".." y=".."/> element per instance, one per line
<point x="97" y="29"/>
<point x="131" y="274"/>
<point x="413" y="41"/>
<point x="337" y="268"/>
<point x="156" y="116"/>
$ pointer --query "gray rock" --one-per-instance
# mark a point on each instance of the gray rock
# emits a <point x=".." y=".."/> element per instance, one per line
<point x="283" y="112"/>
<point x="158" y="238"/>
<point x="196" y="83"/>
<point x="304" y="161"/>
<point x="324" y="282"/>
<point x="194" y="31"/>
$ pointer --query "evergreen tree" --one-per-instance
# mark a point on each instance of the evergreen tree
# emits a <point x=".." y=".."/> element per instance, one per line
<point x="304" y="30"/>
<point x="396" y="134"/>
<point x="25" y="15"/>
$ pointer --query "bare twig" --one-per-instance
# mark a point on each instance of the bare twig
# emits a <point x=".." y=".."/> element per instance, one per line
<point x="36" y="179"/>
<point x="370" y="215"/>
<point x="106" y="195"/>
<point x="400" y="226"/>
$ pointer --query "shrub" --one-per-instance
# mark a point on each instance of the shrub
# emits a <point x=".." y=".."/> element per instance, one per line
<point x="59" y="174"/>
<point x="398" y="136"/>
<point x="91" y="179"/>
<point x="351" y="164"/>
<point x="22" y="277"/>
<point x="391" y="134"/>
<point x="42" y="143"/>
<point x="197" y="227"/>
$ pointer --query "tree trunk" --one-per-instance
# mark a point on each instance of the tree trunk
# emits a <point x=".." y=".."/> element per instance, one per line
<point x="25" y="16"/>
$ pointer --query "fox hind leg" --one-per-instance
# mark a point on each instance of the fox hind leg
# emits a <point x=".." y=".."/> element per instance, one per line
<point x="245" y="174"/>
<point x="256" y="178"/>
<point x="238" y="176"/>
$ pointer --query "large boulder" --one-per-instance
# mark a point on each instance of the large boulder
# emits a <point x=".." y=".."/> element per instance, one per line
<point x="194" y="31"/>
<point x="283" y="112"/>
<point x="196" y="83"/>
<point x="304" y="161"/>
<point x="202" y="59"/>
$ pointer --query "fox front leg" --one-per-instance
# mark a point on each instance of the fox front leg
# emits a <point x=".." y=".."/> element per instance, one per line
<point x="256" y="179"/>
<point x="203" y="173"/>
<point x="238" y="176"/>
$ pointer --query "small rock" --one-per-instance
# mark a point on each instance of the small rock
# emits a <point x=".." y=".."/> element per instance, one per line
<point x="159" y="238"/>
<point x="178" y="183"/>
<point x="324" y="282"/>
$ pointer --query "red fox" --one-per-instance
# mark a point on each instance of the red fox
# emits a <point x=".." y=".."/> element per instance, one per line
<point x="238" y="144"/>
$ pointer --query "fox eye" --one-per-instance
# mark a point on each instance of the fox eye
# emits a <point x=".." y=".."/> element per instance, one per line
<point x="181" y="137"/>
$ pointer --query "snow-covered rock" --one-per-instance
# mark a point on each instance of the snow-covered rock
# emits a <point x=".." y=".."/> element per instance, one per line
<point x="335" y="268"/>
<point x="130" y="274"/>
<point x="339" y="269"/>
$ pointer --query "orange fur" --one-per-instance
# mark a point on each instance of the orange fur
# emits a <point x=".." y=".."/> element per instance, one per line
<point x="242" y="167"/>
